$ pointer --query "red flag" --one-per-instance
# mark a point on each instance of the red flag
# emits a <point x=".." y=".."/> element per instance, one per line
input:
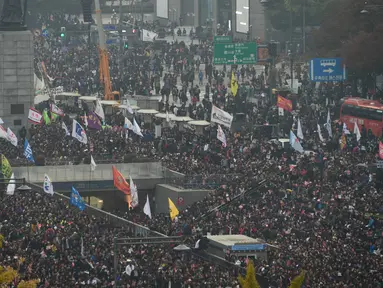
<point x="121" y="184"/>
<point x="284" y="103"/>
<point x="380" y="150"/>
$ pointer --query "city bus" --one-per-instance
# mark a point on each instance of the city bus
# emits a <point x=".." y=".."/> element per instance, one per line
<point x="363" y="112"/>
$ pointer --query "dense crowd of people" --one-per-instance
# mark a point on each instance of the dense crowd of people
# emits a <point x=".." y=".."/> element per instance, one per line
<point x="320" y="209"/>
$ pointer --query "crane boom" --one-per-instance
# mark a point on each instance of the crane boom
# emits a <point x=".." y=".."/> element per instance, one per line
<point x="104" y="57"/>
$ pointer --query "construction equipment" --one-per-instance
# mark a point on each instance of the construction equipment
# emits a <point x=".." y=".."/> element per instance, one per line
<point x="104" y="57"/>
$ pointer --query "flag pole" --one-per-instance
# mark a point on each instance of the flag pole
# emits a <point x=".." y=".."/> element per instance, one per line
<point x="28" y="171"/>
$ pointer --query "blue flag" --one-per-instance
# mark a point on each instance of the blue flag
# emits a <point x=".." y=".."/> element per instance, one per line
<point x="76" y="200"/>
<point x="28" y="151"/>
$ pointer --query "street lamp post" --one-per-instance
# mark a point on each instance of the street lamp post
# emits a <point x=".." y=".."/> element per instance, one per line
<point x="304" y="26"/>
<point x="172" y="19"/>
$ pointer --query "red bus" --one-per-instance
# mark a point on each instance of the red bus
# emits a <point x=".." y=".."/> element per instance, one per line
<point x="364" y="112"/>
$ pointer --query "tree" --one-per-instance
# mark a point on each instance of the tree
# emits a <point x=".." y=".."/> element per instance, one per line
<point x="8" y="275"/>
<point x="279" y="12"/>
<point x="297" y="282"/>
<point x="28" y="284"/>
<point x="250" y="281"/>
<point x="362" y="54"/>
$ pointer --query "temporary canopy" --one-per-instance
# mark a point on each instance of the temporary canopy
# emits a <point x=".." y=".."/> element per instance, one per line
<point x="199" y="123"/>
<point x="88" y="98"/>
<point x="109" y="102"/>
<point x="68" y="94"/>
<point x="147" y="111"/>
<point x="182" y="119"/>
<point x="163" y="116"/>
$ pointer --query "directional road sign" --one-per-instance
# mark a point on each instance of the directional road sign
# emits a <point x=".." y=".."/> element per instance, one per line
<point x="45" y="33"/>
<point x="327" y="70"/>
<point x="223" y="39"/>
<point x="235" y="53"/>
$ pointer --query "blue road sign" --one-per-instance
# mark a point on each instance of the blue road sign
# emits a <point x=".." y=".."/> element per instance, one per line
<point x="327" y="70"/>
<point x="110" y="27"/>
<point x="111" y="41"/>
<point x="45" y="33"/>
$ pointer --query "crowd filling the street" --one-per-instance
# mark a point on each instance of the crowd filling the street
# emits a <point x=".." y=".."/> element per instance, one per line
<point x="292" y="166"/>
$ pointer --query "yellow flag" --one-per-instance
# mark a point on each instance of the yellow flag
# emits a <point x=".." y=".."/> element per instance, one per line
<point x="234" y="85"/>
<point x="343" y="142"/>
<point x="172" y="209"/>
<point x="6" y="168"/>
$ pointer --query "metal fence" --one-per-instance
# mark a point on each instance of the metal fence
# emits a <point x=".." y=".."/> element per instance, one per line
<point x="99" y="159"/>
<point x="210" y="182"/>
<point x="71" y="173"/>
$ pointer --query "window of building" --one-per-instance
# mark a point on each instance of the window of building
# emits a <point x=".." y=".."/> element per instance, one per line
<point x="17" y="122"/>
<point x="17" y="108"/>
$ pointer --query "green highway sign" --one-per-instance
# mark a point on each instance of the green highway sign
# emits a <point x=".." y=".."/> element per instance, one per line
<point x="223" y="39"/>
<point x="235" y="53"/>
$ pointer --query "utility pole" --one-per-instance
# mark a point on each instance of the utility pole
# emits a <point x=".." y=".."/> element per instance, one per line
<point x="304" y="26"/>
<point x="89" y="46"/>
<point x="121" y="46"/>
<point x="291" y="49"/>
<point x="142" y="14"/>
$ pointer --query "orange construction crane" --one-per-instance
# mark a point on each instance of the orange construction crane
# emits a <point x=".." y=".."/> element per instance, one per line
<point x="104" y="57"/>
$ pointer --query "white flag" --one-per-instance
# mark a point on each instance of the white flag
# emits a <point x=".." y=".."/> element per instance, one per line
<point x="320" y="133"/>
<point x="221" y="136"/>
<point x="85" y="120"/>
<point x="11" y="187"/>
<point x="220" y="116"/>
<point x="136" y="128"/>
<point x="134" y="193"/>
<point x="167" y="117"/>
<point x="328" y="124"/>
<point x="79" y="133"/>
<point x="1" y="121"/>
<point x="3" y="133"/>
<point x="56" y="110"/>
<point x="129" y="107"/>
<point x="299" y="130"/>
<point x="294" y="142"/>
<point x="12" y="137"/>
<point x="48" y="186"/>
<point x="65" y="128"/>
<point x="147" y="207"/>
<point x="99" y="110"/>
<point x="148" y="36"/>
<point x="93" y="164"/>
<point x="357" y="132"/>
<point x="128" y="124"/>
<point x="345" y="130"/>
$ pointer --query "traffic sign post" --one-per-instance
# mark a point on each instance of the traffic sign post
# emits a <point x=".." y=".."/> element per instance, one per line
<point x="223" y="39"/>
<point x="327" y="70"/>
<point x="235" y="53"/>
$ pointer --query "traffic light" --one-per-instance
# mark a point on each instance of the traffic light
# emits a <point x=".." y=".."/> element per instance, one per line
<point x="126" y="46"/>
<point x="62" y="34"/>
<point x="87" y="10"/>
<point x="273" y="49"/>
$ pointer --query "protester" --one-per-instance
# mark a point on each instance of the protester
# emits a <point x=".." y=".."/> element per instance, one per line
<point x="320" y="209"/>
